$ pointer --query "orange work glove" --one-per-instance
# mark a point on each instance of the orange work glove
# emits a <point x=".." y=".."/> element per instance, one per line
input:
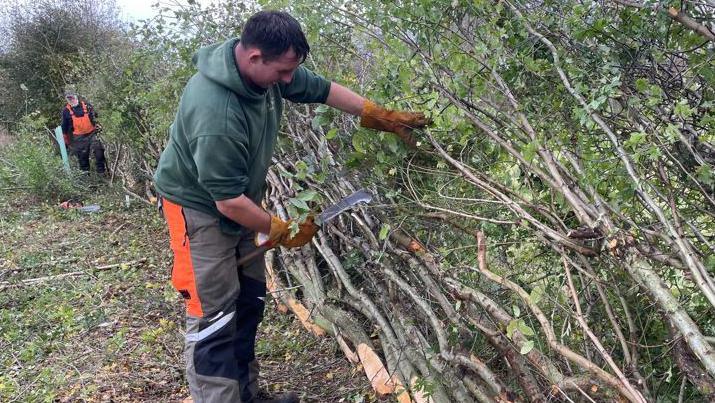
<point x="401" y="123"/>
<point x="280" y="232"/>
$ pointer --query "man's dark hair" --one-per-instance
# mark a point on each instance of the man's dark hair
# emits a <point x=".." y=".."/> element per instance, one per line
<point x="274" y="32"/>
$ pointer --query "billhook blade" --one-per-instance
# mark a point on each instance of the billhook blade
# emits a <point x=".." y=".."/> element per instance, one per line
<point x="361" y="196"/>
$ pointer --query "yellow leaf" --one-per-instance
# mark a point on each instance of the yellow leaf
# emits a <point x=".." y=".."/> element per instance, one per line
<point x="612" y="244"/>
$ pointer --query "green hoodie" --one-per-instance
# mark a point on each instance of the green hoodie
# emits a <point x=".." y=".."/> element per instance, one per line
<point x="221" y="142"/>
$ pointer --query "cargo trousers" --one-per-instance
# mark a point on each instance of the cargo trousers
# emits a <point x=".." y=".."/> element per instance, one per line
<point x="84" y="145"/>
<point x="224" y="305"/>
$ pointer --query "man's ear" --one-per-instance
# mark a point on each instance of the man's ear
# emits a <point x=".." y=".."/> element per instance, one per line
<point x="255" y="55"/>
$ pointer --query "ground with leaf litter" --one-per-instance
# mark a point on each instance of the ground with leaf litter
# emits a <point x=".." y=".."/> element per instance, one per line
<point x="87" y="313"/>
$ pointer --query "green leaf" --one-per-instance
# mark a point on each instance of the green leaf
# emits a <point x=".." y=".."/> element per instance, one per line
<point x="656" y="94"/>
<point x="672" y="132"/>
<point x="516" y="310"/>
<point x="642" y="85"/>
<point x="536" y="294"/>
<point x="654" y="153"/>
<point x="307" y="195"/>
<point x="392" y="142"/>
<point x="636" y="139"/>
<point x="320" y="120"/>
<point x="526" y="347"/>
<point x="357" y="141"/>
<point x="596" y="103"/>
<point x="525" y="329"/>
<point x="294" y="228"/>
<point x="511" y="327"/>
<point x="302" y="169"/>
<point x="683" y="110"/>
<point x="710" y="263"/>
<point x="331" y="134"/>
<point x="292" y="211"/>
<point x="529" y="150"/>
<point x="300" y="204"/>
<point x="384" y="230"/>
<point x="705" y="175"/>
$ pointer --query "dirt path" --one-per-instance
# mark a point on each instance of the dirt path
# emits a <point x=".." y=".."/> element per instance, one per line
<point x="87" y="314"/>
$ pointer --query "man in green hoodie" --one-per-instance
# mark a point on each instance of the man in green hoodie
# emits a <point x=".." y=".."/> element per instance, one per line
<point x="212" y="177"/>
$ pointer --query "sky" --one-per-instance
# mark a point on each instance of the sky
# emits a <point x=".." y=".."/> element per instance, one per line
<point x="135" y="10"/>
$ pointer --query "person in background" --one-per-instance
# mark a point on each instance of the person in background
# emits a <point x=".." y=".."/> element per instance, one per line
<point x="80" y="127"/>
<point x="212" y="177"/>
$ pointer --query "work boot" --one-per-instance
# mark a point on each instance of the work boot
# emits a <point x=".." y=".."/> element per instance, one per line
<point x="288" y="397"/>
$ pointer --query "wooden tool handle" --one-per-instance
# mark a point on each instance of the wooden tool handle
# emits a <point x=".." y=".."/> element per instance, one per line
<point x="254" y="254"/>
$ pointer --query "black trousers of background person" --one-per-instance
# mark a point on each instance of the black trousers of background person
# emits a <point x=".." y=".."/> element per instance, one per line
<point x="83" y="146"/>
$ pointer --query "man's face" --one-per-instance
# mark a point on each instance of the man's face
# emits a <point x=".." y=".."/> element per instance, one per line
<point x="72" y="100"/>
<point x="266" y="74"/>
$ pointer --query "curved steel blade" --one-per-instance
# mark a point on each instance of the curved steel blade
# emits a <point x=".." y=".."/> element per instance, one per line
<point x="361" y="196"/>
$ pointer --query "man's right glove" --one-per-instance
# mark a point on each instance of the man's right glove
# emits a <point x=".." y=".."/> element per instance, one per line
<point x="280" y="232"/>
<point x="401" y="123"/>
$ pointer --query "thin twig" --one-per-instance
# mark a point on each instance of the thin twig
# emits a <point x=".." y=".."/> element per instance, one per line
<point x="130" y="263"/>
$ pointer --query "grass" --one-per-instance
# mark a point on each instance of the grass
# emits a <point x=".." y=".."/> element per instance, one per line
<point x="112" y="328"/>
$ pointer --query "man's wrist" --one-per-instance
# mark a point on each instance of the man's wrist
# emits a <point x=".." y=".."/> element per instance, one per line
<point x="246" y="213"/>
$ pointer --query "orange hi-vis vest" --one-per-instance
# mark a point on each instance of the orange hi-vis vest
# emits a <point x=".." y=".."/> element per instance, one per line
<point x="81" y="125"/>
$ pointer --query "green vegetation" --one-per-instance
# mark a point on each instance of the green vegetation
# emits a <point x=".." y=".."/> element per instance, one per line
<point x="80" y="291"/>
<point x="31" y="163"/>
<point x="574" y="140"/>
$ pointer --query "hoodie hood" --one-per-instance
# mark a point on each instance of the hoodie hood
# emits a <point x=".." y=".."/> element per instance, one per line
<point x="217" y="63"/>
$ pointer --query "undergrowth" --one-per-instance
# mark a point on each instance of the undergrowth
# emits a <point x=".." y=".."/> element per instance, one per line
<point x="30" y="161"/>
<point x="87" y="312"/>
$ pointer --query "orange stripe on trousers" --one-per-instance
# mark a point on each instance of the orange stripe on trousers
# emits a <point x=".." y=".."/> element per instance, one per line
<point x="182" y="275"/>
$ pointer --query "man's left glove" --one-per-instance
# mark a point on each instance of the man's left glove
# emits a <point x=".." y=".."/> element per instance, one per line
<point x="280" y="232"/>
<point x="401" y="123"/>
<point x="98" y="128"/>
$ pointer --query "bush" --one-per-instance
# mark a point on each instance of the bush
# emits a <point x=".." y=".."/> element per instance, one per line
<point x="48" y="44"/>
<point x="31" y="163"/>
